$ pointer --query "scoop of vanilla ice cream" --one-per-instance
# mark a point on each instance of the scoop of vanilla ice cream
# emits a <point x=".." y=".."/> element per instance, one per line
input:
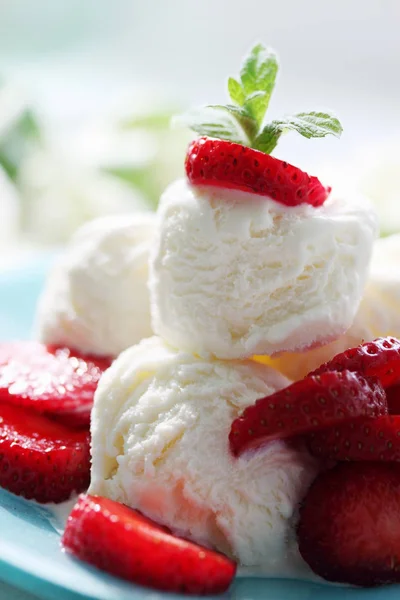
<point x="96" y="298"/>
<point x="235" y="274"/>
<point x="160" y="426"/>
<point x="377" y="316"/>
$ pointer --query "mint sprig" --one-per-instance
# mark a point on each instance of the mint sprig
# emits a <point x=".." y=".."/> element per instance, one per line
<point x="242" y="121"/>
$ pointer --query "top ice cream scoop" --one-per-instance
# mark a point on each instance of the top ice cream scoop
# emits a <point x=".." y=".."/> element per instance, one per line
<point x="234" y="274"/>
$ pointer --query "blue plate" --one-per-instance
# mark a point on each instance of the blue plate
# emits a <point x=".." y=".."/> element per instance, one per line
<point x="30" y="555"/>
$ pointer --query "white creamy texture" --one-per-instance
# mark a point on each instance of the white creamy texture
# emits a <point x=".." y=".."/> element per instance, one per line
<point x="160" y="426"/>
<point x="96" y="298"/>
<point x="378" y="314"/>
<point x="234" y="274"/>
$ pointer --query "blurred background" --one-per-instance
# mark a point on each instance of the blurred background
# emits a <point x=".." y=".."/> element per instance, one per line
<point x="87" y="90"/>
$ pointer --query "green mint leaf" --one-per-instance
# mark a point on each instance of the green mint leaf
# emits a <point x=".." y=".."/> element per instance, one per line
<point x="258" y="74"/>
<point x="217" y="122"/>
<point x="236" y="91"/>
<point x="267" y="139"/>
<point x="245" y="120"/>
<point x="256" y="104"/>
<point x="311" y="125"/>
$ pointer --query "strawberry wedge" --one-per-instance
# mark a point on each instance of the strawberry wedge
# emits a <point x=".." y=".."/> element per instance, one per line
<point x="57" y="382"/>
<point x="40" y="459"/>
<point x="314" y="403"/>
<point x="359" y="440"/>
<point x="380" y="358"/>
<point x="226" y="164"/>
<point x="123" y="542"/>
<point x="349" y="526"/>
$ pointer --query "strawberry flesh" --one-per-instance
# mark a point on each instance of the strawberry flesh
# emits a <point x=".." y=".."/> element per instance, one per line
<point x="361" y="439"/>
<point x="41" y="459"/>
<point x="380" y="358"/>
<point x="54" y="381"/>
<point x="349" y="527"/>
<point x="225" y="164"/>
<point x="123" y="542"/>
<point x="314" y="403"/>
<point x="393" y="399"/>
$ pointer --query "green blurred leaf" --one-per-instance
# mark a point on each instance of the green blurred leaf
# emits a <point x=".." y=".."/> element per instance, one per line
<point x="140" y="179"/>
<point x="17" y="141"/>
<point x="153" y="121"/>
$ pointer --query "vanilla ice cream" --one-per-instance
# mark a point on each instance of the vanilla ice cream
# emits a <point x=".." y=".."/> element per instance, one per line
<point x="160" y="426"/>
<point x="96" y="298"/>
<point x="235" y="274"/>
<point x="378" y="315"/>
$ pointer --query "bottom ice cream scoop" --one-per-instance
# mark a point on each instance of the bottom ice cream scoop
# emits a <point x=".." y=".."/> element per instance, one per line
<point x="160" y="427"/>
<point x="96" y="298"/>
<point x="377" y="316"/>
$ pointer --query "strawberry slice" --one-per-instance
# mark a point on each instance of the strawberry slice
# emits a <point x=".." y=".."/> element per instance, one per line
<point x="225" y="164"/>
<point x="55" y="381"/>
<point x="393" y="399"/>
<point x="123" y="542"/>
<point x="39" y="458"/>
<point x="361" y="439"/>
<point x="380" y="358"/>
<point x="314" y="403"/>
<point x="349" y="527"/>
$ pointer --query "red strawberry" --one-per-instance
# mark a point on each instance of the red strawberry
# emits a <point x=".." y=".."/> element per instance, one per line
<point x="393" y="399"/>
<point x="55" y="381"/>
<point x="220" y="163"/>
<point x="349" y="528"/>
<point x="39" y="458"/>
<point x="361" y="439"/>
<point x="380" y="358"/>
<point x="313" y="403"/>
<point x="123" y="542"/>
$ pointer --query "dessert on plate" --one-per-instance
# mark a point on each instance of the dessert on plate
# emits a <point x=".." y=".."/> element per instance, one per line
<point x="191" y="345"/>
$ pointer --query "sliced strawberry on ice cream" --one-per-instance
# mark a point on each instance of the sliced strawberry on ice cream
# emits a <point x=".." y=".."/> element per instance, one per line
<point x="58" y="382"/>
<point x="229" y="165"/>
<point x="314" y="403"/>
<point x="41" y="459"/>
<point x="123" y="542"/>
<point x="359" y="440"/>
<point x="393" y="399"/>
<point x="380" y="358"/>
<point x="349" y="527"/>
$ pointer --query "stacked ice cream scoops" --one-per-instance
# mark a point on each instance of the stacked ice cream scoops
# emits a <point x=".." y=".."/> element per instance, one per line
<point x="250" y="273"/>
<point x="236" y="269"/>
<point x="231" y="274"/>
